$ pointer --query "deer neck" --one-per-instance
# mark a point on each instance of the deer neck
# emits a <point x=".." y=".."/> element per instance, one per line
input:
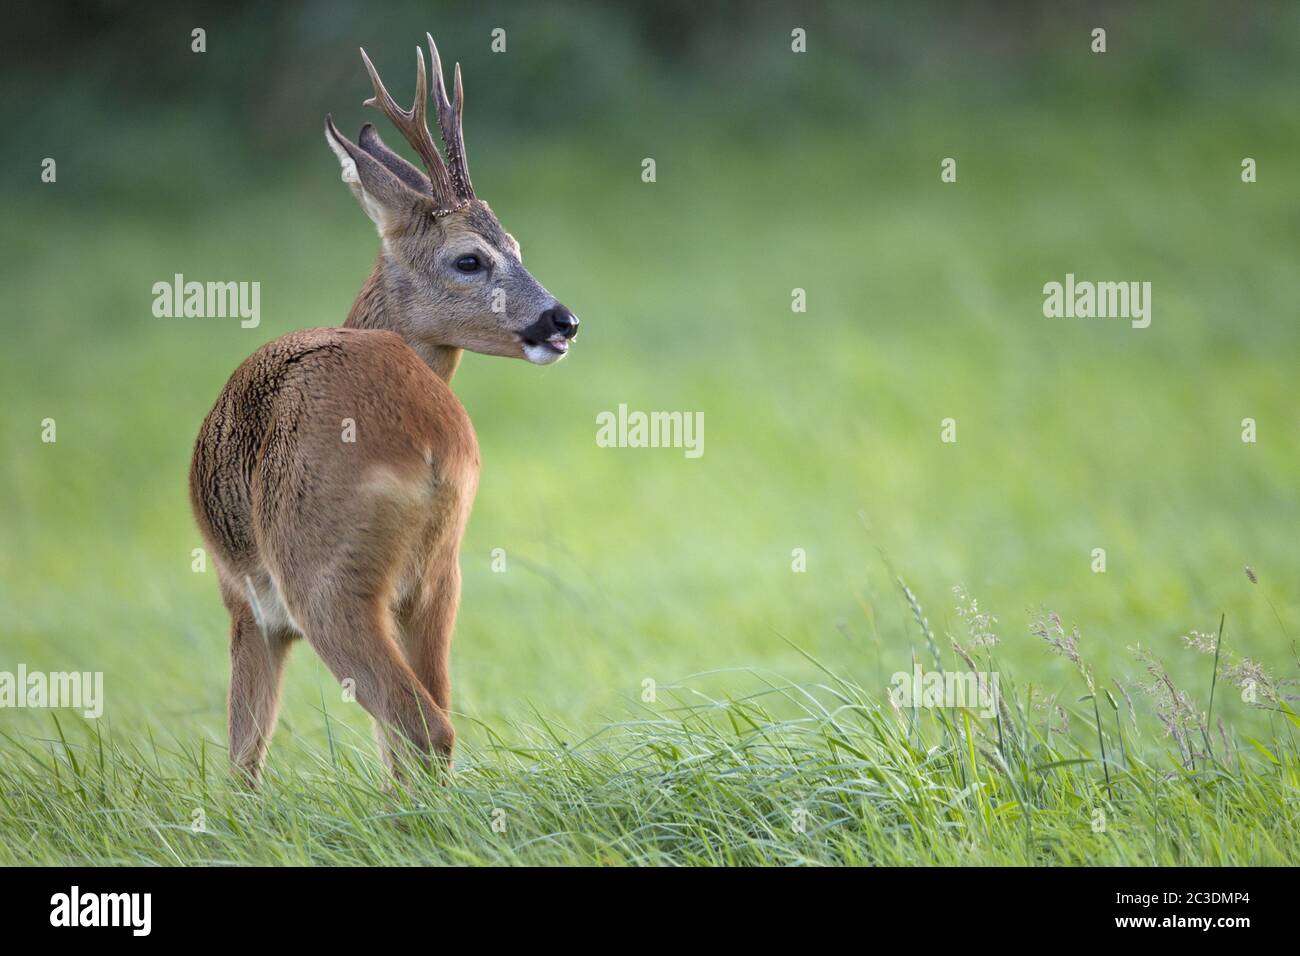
<point x="387" y="301"/>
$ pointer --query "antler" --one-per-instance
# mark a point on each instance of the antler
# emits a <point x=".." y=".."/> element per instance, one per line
<point x="413" y="125"/>
<point x="449" y="121"/>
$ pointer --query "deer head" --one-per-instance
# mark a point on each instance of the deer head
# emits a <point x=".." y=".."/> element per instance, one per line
<point x="457" y="276"/>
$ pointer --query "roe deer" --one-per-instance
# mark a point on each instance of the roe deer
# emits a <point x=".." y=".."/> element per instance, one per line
<point x="333" y="478"/>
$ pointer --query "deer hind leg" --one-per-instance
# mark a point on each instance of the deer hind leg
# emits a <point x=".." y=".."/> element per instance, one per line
<point x="344" y="542"/>
<point x="341" y="595"/>
<point x="354" y="636"/>
<point x="426" y="625"/>
<point x="256" y="667"/>
<point x="426" y="620"/>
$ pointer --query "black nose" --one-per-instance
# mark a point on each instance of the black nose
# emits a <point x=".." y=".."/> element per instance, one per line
<point x="559" y="320"/>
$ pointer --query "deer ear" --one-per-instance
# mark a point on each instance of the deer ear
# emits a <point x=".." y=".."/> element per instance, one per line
<point x="410" y="176"/>
<point x="382" y="195"/>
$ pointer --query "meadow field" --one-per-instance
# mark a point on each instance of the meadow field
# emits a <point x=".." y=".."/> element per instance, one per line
<point x="669" y="660"/>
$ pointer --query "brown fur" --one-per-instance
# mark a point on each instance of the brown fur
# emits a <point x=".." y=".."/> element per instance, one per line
<point x="354" y="545"/>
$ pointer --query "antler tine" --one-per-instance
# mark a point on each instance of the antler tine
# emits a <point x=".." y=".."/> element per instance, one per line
<point x="450" y="122"/>
<point x="413" y="125"/>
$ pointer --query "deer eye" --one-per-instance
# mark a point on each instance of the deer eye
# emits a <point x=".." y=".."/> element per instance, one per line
<point x="469" y="263"/>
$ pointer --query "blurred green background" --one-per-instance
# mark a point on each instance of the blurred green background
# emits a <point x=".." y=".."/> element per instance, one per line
<point x="775" y="171"/>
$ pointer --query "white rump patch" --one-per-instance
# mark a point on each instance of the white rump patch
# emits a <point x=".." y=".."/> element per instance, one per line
<point x="268" y="606"/>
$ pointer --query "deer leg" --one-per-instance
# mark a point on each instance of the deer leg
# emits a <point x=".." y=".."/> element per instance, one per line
<point x="354" y="637"/>
<point x="427" y="622"/>
<point x="256" y="668"/>
<point x="341" y="561"/>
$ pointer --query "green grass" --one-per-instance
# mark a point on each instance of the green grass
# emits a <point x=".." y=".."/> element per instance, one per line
<point x="693" y="780"/>
<point x="822" y="433"/>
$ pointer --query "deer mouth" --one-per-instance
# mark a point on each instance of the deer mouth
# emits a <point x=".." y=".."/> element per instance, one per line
<point x="559" y="343"/>
<point x="545" y="351"/>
